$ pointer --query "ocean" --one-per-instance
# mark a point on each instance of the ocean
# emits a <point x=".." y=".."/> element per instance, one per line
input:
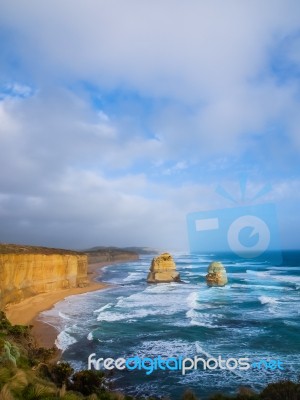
<point x="255" y="316"/>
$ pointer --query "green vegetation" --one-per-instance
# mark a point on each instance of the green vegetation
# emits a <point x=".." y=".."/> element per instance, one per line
<point x="8" y="248"/>
<point x="282" y="390"/>
<point x="27" y="373"/>
<point x="132" y="249"/>
<point x="109" y="254"/>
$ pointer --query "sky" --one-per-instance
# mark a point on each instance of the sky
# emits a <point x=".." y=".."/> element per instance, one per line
<point x="118" y="118"/>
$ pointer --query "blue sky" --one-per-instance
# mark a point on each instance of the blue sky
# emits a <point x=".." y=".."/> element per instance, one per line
<point x="118" y="118"/>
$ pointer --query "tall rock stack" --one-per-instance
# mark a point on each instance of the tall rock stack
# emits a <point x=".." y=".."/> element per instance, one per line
<point x="163" y="269"/>
<point x="216" y="274"/>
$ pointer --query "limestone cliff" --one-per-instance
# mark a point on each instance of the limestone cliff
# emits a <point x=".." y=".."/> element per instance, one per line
<point x="216" y="274"/>
<point x="163" y="269"/>
<point x="27" y="270"/>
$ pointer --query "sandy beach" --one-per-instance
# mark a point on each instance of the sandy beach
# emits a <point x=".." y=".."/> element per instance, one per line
<point x="27" y="311"/>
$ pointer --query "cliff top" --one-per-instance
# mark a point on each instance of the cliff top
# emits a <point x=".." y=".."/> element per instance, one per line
<point x="135" y="250"/>
<point x="8" y="248"/>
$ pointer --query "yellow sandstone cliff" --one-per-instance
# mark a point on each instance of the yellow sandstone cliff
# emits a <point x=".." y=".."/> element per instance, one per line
<point x="26" y="271"/>
<point x="163" y="269"/>
<point x="216" y="274"/>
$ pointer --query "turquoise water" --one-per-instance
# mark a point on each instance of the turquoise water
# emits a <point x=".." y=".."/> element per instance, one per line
<point x="257" y="315"/>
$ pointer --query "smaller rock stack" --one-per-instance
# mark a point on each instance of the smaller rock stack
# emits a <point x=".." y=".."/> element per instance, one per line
<point x="163" y="269"/>
<point x="216" y="274"/>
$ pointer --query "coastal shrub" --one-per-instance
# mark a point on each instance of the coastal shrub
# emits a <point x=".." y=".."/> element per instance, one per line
<point x="286" y="390"/>
<point x="240" y="396"/>
<point x="6" y="394"/>
<point x="92" y="397"/>
<point x="5" y="375"/>
<point x="189" y="395"/>
<point x="60" y="373"/>
<point x="14" y="384"/>
<point x="246" y="393"/>
<point x="72" y="396"/>
<point x="23" y="362"/>
<point x="16" y="331"/>
<point x="121" y="396"/>
<point x="19" y="331"/>
<point x="220" y="396"/>
<point x="8" y="353"/>
<point x="87" y="382"/>
<point x="40" y="354"/>
<point x="5" y="325"/>
<point x="38" y="392"/>
<point x="106" y="395"/>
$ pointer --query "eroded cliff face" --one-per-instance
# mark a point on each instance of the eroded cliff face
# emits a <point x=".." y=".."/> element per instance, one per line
<point x="27" y="274"/>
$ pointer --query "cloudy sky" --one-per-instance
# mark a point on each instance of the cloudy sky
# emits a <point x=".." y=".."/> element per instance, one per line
<point x="120" y="117"/>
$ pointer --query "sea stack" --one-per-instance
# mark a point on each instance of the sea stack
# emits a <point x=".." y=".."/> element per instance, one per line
<point x="163" y="269"/>
<point x="216" y="274"/>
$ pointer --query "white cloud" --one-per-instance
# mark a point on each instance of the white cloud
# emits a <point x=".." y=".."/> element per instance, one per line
<point x="177" y="167"/>
<point x="206" y="56"/>
<point x="164" y="47"/>
<point x="206" y="67"/>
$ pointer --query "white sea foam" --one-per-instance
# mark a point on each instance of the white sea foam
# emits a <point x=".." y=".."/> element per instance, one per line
<point x="187" y="266"/>
<point x="284" y="269"/>
<point x="90" y="336"/>
<point x="206" y="324"/>
<point x="165" y="348"/>
<point x="267" y="300"/>
<point x="110" y="316"/>
<point x="108" y="305"/>
<point x="135" y="314"/>
<point x="203" y="319"/>
<point x="287" y="279"/>
<point x="134" y="276"/>
<point x="291" y="323"/>
<point x="238" y="275"/>
<point x="261" y="287"/>
<point x="192" y="300"/>
<point x="163" y="299"/>
<point x="163" y="287"/>
<point x="259" y="274"/>
<point x="64" y="316"/>
<point x="180" y="323"/>
<point x="64" y="340"/>
<point x="189" y="273"/>
<point x="200" y="350"/>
